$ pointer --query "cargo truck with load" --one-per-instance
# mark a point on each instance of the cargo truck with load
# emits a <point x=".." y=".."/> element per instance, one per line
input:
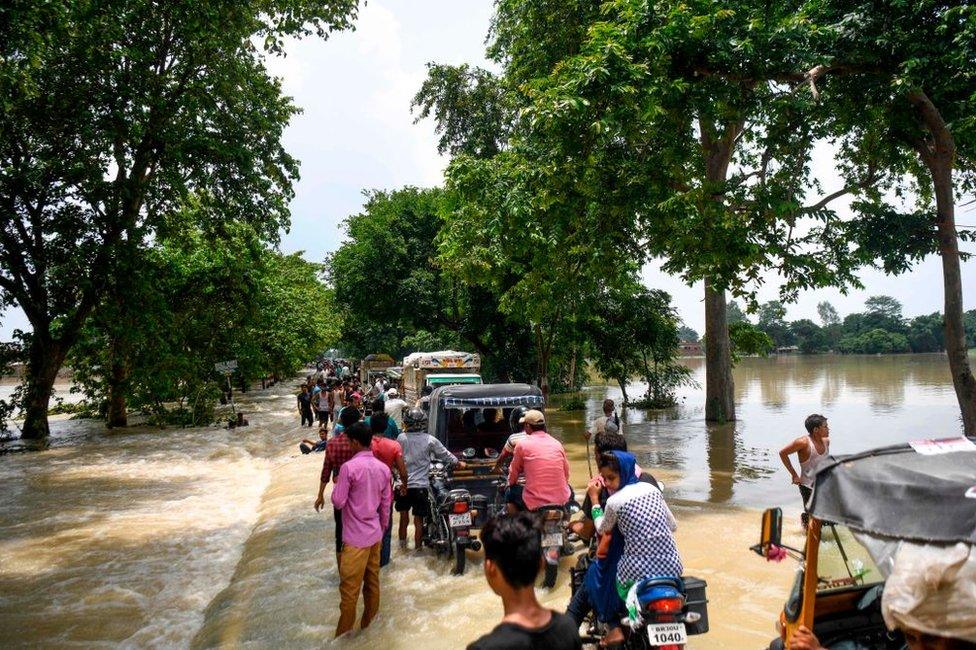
<point x="434" y="369"/>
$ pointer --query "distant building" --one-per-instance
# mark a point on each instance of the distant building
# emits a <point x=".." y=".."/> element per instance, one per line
<point x="690" y="348"/>
<point x="787" y="349"/>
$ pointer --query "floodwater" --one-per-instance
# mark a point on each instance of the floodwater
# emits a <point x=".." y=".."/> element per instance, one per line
<point x="207" y="537"/>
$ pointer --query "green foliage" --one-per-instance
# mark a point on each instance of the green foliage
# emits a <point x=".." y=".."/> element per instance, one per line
<point x="927" y="333"/>
<point x="734" y="313"/>
<point x="191" y="301"/>
<point x="828" y="314"/>
<point x="469" y="107"/>
<point x="685" y="333"/>
<point x="809" y="336"/>
<point x="876" y="341"/>
<point x="114" y="115"/>
<point x="748" y="340"/>
<point x="634" y="331"/>
<point x="396" y="297"/>
<point x="574" y="403"/>
<point x="772" y="320"/>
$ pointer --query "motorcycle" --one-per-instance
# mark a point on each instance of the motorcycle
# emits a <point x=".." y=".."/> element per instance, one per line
<point x="556" y="541"/>
<point x="448" y="528"/>
<point x="671" y="610"/>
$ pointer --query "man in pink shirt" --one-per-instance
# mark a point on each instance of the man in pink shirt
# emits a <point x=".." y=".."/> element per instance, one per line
<point x="542" y="459"/>
<point x="363" y="494"/>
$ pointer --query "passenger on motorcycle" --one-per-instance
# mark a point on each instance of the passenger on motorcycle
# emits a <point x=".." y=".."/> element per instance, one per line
<point x="518" y="434"/>
<point x="542" y="459"/>
<point x="604" y="442"/>
<point x="641" y="543"/>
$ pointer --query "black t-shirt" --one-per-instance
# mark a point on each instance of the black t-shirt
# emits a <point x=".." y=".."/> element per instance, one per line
<point x="605" y="494"/>
<point x="560" y="633"/>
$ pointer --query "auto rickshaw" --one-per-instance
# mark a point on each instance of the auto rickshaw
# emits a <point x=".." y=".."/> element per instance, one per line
<point x="473" y="421"/>
<point x="921" y="494"/>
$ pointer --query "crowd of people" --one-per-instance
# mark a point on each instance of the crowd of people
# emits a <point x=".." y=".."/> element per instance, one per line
<point x="380" y="463"/>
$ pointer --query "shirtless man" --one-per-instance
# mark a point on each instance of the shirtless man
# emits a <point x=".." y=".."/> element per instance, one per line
<point x="811" y="451"/>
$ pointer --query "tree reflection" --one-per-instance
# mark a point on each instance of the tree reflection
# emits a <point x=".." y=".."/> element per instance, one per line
<point x="722" y="442"/>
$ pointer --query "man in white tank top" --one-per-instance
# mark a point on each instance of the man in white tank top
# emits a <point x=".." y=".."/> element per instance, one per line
<point x="811" y="451"/>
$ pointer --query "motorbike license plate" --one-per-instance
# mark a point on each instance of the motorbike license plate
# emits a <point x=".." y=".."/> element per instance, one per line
<point x="457" y="521"/>
<point x="552" y="539"/>
<point x="667" y="633"/>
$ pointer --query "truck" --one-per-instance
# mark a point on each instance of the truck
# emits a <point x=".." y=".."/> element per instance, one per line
<point x="374" y="365"/>
<point x="434" y="369"/>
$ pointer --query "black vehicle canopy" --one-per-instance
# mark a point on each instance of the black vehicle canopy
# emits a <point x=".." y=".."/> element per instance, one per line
<point x="902" y="493"/>
<point x="476" y="415"/>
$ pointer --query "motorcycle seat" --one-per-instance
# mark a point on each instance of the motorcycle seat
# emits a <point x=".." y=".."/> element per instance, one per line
<point x="656" y="587"/>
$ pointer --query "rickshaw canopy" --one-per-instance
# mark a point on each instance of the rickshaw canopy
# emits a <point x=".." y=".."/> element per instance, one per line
<point x="918" y="492"/>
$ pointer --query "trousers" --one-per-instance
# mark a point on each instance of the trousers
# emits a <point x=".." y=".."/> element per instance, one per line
<point x="358" y="570"/>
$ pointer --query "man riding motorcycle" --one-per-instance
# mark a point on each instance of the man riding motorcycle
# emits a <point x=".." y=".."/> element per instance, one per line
<point x="641" y="544"/>
<point x="542" y="459"/>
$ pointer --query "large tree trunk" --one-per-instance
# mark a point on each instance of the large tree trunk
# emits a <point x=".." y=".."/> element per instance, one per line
<point x="117" y="388"/>
<point x="719" y="387"/>
<point x="719" y="393"/>
<point x="44" y="362"/>
<point x="938" y="154"/>
<point x="543" y="352"/>
<point x="117" y="380"/>
<point x="623" y="388"/>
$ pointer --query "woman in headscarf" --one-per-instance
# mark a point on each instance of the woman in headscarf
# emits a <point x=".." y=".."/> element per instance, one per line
<point x="641" y="542"/>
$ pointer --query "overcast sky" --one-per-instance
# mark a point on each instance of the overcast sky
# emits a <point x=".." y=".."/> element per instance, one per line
<point x="356" y="133"/>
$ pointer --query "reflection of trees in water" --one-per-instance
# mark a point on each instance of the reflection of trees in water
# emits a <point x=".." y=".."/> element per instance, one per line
<point x="722" y="443"/>
<point x="883" y="379"/>
<point x="731" y="462"/>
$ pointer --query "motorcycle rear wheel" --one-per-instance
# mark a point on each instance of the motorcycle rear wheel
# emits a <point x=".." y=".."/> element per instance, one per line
<point x="549" y="579"/>
<point x="460" y="559"/>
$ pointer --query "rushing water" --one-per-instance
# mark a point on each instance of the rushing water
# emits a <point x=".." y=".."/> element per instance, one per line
<point x="207" y="537"/>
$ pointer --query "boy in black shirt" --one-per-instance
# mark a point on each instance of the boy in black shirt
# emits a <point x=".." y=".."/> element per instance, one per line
<point x="513" y="556"/>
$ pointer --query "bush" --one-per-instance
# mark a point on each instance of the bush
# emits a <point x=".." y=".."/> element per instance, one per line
<point x="574" y="403"/>
<point x="876" y="341"/>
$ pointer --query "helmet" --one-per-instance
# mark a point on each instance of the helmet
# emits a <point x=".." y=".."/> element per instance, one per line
<point x="513" y="420"/>
<point x="414" y="418"/>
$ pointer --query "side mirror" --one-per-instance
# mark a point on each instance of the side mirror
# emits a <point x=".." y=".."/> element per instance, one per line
<point x="772" y="531"/>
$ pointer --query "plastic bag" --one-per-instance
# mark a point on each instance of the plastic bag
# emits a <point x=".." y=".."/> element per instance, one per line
<point x="929" y="587"/>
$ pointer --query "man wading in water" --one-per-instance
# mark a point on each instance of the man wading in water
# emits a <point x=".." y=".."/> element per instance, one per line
<point x="363" y="494"/>
<point x="811" y="450"/>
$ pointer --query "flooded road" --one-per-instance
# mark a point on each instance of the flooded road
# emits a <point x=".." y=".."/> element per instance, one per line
<point x="207" y="538"/>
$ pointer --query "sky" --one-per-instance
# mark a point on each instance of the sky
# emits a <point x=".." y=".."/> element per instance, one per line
<point x="356" y="133"/>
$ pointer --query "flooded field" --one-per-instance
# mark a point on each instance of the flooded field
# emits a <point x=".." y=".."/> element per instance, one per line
<point x="207" y="538"/>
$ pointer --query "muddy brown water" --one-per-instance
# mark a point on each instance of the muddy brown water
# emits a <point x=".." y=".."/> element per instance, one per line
<point x="207" y="538"/>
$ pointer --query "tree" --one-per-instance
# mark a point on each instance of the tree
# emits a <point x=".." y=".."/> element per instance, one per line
<point x="649" y="116"/>
<point x="392" y="249"/>
<point x="504" y="232"/>
<point x="114" y="113"/>
<point x="909" y="112"/>
<point x="809" y="337"/>
<point x="876" y="341"/>
<point x="884" y="307"/>
<point x="749" y="340"/>
<point x="735" y="314"/>
<point x="925" y="333"/>
<point x="828" y="315"/>
<point x="197" y="300"/>
<point x="772" y="320"/>
<point x="685" y="333"/>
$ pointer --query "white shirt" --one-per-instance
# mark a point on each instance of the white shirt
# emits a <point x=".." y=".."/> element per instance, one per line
<point x="394" y="408"/>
